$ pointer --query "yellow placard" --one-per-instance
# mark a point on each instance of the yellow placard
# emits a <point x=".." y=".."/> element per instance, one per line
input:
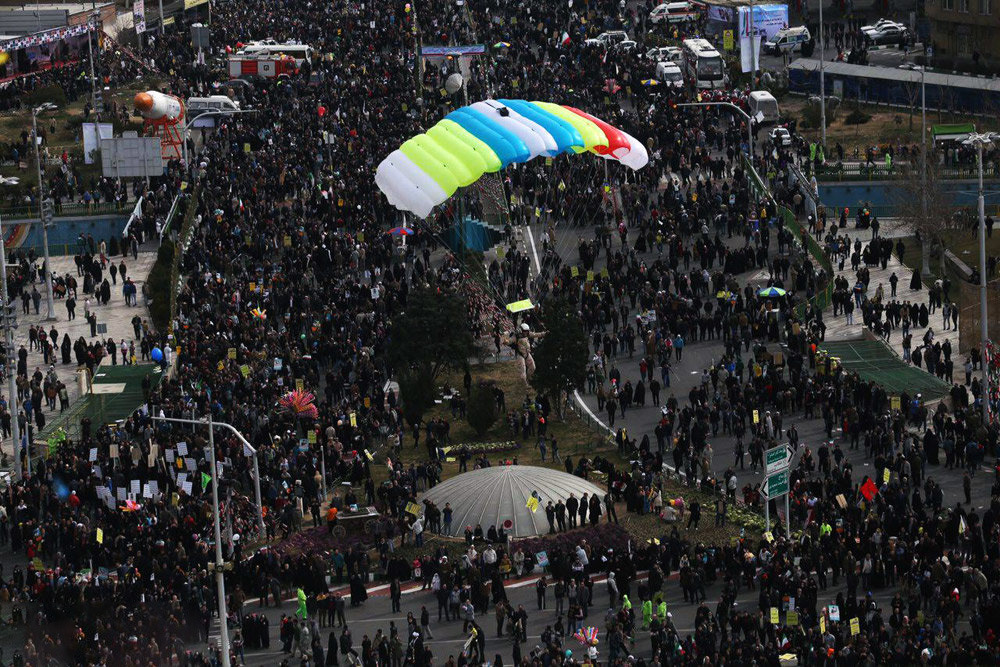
<point x="792" y="618"/>
<point x="354" y="420"/>
<point x="756" y="417"/>
<point x="604" y="272"/>
<point x="413" y="509"/>
<point x="100" y="536"/>
<point x="769" y="537"/>
<point x="222" y="366"/>
<point x="885" y="475"/>
<point x="300" y="384"/>
<point x="368" y="401"/>
<point x="450" y="459"/>
<point x="232" y="353"/>
<point x="245" y="370"/>
<point x="774" y="616"/>
<point x="246" y="147"/>
<point x="368" y="455"/>
<point x="288" y="241"/>
<point x="311" y="437"/>
<point x="590" y="276"/>
<point x="253" y="286"/>
<point x="855" y="626"/>
<point x="895" y="403"/>
<point x="574" y="271"/>
<point x="727" y="40"/>
<point x="822" y="625"/>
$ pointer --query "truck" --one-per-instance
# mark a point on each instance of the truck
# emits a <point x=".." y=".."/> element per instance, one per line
<point x="264" y="66"/>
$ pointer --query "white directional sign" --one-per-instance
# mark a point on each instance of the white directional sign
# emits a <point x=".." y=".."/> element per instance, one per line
<point x="778" y="458"/>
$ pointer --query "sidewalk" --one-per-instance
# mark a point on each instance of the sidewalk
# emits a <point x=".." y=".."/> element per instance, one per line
<point x="839" y="330"/>
<point x="116" y="316"/>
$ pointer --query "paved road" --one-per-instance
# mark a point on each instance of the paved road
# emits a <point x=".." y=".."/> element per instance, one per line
<point x="699" y="356"/>
<point x="448" y="636"/>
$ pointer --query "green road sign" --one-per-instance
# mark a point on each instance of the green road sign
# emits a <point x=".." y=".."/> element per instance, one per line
<point x="776" y="485"/>
<point x="778" y="458"/>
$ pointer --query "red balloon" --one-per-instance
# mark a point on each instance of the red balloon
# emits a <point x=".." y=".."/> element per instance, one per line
<point x="239" y="45"/>
<point x="321" y="111"/>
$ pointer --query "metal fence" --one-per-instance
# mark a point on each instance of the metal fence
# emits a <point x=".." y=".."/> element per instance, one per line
<point x="862" y="171"/>
<point x="30" y="212"/>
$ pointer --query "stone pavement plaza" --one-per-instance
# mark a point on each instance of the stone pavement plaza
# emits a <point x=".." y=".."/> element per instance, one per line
<point x="116" y="316"/>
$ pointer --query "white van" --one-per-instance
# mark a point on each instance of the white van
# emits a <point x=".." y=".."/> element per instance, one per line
<point x="787" y="40"/>
<point x="763" y="102"/>
<point x="672" y="12"/>
<point x="199" y="105"/>
<point x="670" y="74"/>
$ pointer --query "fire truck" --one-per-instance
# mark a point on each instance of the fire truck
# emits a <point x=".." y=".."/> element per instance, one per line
<point x="266" y="66"/>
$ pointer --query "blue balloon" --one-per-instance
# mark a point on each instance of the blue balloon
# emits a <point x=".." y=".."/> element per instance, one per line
<point x="157" y="354"/>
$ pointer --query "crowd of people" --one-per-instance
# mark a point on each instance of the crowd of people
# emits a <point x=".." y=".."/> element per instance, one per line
<point x="290" y="280"/>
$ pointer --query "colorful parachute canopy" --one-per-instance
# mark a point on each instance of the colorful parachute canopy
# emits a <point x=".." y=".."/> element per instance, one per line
<point x="485" y="137"/>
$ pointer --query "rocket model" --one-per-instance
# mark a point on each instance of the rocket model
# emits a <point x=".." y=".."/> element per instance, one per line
<point x="154" y="105"/>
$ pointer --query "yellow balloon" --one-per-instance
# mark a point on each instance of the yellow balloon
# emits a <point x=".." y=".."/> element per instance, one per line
<point x="4" y="57"/>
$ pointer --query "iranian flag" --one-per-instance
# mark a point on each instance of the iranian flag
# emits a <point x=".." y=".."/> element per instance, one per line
<point x="565" y="39"/>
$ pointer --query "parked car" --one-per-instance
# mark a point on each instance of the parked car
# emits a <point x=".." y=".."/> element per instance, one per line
<point x="665" y="53"/>
<point x="890" y="34"/>
<point x="608" y="39"/>
<point x="780" y="136"/>
<point x="878" y="25"/>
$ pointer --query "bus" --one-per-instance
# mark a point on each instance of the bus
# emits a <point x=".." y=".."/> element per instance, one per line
<point x="703" y="64"/>
<point x="269" y="47"/>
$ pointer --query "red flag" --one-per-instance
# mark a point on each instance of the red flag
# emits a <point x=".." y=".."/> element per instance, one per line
<point x="869" y="490"/>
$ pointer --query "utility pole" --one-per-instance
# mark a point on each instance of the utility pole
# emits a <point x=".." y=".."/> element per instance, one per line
<point x="220" y="577"/>
<point x="95" y="18"/>
<point x="923" y="140"/>
<point x="980" y="139"/>
<point x="822" y="83"/>
<point x="9" y="323"/>
<point x="44" y="210"/>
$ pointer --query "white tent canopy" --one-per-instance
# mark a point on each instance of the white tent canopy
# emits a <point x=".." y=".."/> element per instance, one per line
<point x="489" y="496"/>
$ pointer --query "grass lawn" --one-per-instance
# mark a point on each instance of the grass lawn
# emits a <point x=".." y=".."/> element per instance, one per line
<point x="575" y="437"/>
<point x="886" y="126"/>
<point x="67" y="136"/>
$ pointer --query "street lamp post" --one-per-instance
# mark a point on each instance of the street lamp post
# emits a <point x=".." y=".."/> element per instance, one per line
<point x="9" y="318"/>
<point x="47" y="106"/>
<point x="822" y="83"/>
<point x="220" y="579"/>
<point x="980" y="139"/>
<point x="94" y="18"/>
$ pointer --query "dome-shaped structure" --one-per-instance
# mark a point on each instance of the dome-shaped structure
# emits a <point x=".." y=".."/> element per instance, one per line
<point x="490" y="496"/>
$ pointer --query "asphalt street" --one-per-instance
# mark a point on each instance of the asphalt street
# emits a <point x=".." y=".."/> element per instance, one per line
<point x="698" y="356"/>
<point x="449" y="639"/>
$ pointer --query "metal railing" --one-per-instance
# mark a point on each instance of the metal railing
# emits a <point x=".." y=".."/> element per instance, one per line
<point x="30" y="212"/>
<point x="862" y="171"/>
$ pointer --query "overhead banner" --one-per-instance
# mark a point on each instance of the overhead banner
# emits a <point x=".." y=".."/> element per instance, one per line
<point x="454" y="51"/>
<point x="767" y="20"/>
<point x="44" y="37"/>
<point x="139" y="16"/>
<point x="190" y="4"/>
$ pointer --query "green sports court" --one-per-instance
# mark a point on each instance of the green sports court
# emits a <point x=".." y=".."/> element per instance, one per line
<point x="115" y="393"/>
<point x="874" y="360"/>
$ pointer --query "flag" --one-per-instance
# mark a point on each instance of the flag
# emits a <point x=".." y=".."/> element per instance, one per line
<point x="532" y="504"/>
<point x="962" y="526"/>
<point x="205" y="479"/>
<point x="869" y="490"/>
<point x="565" y="38"/>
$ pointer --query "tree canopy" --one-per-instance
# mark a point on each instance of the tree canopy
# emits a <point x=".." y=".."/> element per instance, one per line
<point x="561" y="355"/>
<point x="431" y="334"/>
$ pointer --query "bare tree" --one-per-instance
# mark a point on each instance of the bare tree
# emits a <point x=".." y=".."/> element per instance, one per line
<point x="926" y="208"/>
